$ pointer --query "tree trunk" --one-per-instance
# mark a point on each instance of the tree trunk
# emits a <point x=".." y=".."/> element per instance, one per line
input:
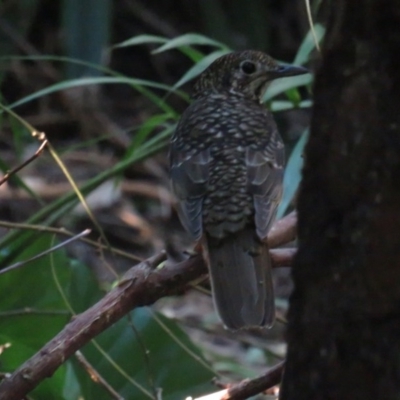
<point x="344" y="317"/>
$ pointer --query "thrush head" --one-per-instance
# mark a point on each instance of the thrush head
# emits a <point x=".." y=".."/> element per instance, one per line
<point x="243" y="73"/>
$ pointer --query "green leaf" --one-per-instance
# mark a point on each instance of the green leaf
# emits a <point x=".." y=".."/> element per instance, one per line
<point x="138" y="85"/>
<point x="58" y="208"/>
<point x="145" y="130"/>
<point x="164" y="362"/>
<point x="190" y="39"/>
<point x="68" y="84"/>
<point x="294" y="96"/>
<point x="308" y="45"/>
<point x="31" y="287"/>
<point x="72" y="389"/>
<point x="292" y="176"/>
<point x="193" y="54"/>
<point x="198" y="68"/>
<point x="61" y="59"/>
<point x="83" y="290"/>
<point x="282" y="85"/>
<point x="283" y="105"/>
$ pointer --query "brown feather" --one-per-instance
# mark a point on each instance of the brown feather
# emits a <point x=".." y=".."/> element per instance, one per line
<point x="240" y="274"/>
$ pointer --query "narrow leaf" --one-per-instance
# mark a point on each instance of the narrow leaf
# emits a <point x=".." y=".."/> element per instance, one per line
<point x="198" y="68"/>
<point x="92" y="81"/>
<point x="308" y="44"/>
<point x="283" y="105"/>
<point x="292" y="176"/>
<point x="190" y="39"/>
<point x="284" y="84"/>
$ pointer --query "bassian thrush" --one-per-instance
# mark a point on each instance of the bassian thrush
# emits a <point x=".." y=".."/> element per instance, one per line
<point x="227" y="162"/>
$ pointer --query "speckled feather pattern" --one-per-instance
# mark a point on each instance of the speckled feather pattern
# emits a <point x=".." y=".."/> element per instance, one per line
<point x="226" y="170"/>
<point x="221" y="74"/>
<point x="227" y="128"/>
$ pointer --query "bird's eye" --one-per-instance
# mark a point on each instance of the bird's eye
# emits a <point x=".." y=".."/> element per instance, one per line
<point x="248" y="67"/>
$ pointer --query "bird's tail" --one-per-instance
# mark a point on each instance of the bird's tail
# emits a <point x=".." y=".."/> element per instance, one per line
<point x="241" y="280"/>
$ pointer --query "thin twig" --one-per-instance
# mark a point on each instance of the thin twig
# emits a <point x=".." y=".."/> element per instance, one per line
<point x="311" y="22"/>
<point x="82" y="200"/>
<point x="184" y="347"/>
<point x="145" y="352"/>
<point x="32" y="311"/>
<point x="38" y="152"/>
<point x="96" y="377"/>
<point x="100" y="349"/>
<point x="141" y="285"/>
<point x="282" y="257"/>
<point x="65" y="232"/>
<point x="248" y="387"/>
<point x="283" y="231"/>
<point x="114" y="364"/>
<point x="251" y="387"/>
<point x="44" y="253"/>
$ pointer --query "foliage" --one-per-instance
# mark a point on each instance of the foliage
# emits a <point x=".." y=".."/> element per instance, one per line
<point x="38" y="299"/>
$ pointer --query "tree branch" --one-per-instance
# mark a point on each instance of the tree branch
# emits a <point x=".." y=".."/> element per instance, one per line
<point x="141" y="285"/>
<point x="283" y="231"/>
<point x="249" y="387"/>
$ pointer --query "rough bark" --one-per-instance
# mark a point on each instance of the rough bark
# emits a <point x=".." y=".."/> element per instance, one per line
<point x="344" y="318"/>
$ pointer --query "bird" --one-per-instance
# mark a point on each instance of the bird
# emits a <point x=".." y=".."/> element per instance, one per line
<point x="226" y="171"/>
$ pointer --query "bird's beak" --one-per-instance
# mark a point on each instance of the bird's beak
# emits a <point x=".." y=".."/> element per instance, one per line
<point x="287" y="70"/>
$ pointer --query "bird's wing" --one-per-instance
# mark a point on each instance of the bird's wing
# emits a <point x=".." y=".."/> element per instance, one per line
<point x="189" y="173"/>
<point x="265" y="183"/>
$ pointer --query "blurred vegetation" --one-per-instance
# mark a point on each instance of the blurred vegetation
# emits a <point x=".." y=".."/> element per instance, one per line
<point x="106" y="81"/>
